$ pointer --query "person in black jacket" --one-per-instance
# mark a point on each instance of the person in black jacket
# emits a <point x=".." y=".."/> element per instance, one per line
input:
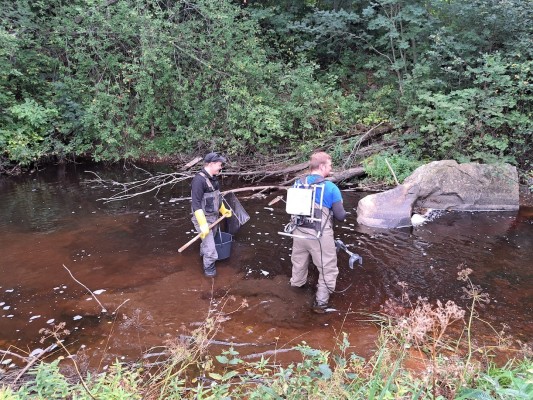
<point x="206" y="205"/>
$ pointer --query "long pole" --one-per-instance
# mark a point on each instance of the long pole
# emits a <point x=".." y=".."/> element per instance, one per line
<point x="194" y="239"/>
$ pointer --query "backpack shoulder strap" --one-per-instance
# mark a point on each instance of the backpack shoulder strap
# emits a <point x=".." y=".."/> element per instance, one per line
<point x="302" y="180"/>
<point x="207" y="180"/>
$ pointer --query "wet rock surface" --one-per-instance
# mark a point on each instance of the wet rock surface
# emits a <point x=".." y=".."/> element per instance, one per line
<point x="443" y="185"/>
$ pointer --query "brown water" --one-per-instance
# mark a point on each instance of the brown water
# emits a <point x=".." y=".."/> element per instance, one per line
<point x="52" y="218"/>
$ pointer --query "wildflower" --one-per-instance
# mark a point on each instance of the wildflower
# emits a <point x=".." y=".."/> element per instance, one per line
<point x="475" y="292"/>
<point x="463" y="274"/>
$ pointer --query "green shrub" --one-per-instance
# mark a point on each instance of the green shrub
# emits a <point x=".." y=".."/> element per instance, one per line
<point x="488" y="121"/>
<point x="48" y="383"/>
<point x="377" y="169"/>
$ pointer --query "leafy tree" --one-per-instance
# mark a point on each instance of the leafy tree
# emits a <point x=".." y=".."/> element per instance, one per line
<point x="122" y="79"/>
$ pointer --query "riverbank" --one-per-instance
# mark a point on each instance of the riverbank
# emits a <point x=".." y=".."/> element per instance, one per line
<point x="413" y="359"/>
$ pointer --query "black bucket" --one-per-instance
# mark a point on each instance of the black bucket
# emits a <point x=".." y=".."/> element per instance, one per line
<point x="223" y="244"/>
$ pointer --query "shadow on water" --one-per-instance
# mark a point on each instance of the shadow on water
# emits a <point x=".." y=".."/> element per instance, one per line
<point x="128" y="251"/>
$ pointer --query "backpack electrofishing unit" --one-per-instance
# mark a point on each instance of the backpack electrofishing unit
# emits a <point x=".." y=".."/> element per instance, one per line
<point x="305" y="206"/>
<point x="305" y="203"/>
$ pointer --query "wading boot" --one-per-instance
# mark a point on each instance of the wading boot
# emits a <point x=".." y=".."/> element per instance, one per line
<point x="210" y="271"/>
<point x="319" y="308"/>
<point x="298" y="289"/>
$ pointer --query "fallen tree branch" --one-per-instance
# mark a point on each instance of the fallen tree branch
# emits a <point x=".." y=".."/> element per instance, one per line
<point x="191" y="163"/>
<point x="268" y="353"/>
<point x="186" y="338"/>
<point x="154" y="183"/>
<point x="347" y="174"/>
<point x="358" y="144"/>
<point x="131" y="189"/>
<point x="245" y="189"/>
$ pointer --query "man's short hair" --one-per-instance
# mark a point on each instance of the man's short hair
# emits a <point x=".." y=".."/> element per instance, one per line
<point x="317" y="159"/>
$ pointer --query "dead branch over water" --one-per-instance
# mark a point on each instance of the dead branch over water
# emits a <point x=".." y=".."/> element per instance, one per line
<point x="281" y="168"/>
<point x="154" y="182"/>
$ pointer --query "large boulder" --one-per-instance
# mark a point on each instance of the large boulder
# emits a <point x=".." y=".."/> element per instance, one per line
<point x="443" y="185"/>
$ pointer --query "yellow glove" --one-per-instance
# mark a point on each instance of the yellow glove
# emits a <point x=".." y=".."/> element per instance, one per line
<point x="204" y="228"/>
<point x="224" y="211"/>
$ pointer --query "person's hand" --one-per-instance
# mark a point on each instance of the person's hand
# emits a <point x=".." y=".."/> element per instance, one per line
<point x="202" y="222"/>
<point x="204" y="231"/>
<point x="224" y="211"/>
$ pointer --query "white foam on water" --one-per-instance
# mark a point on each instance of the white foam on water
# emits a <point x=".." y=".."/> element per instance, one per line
<point x="77" y="317"/>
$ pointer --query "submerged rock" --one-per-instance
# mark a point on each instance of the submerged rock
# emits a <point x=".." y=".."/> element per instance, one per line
<point x="443" y="185"/>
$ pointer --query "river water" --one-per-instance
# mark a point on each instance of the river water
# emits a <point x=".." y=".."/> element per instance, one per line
<point x="126" y="252"/>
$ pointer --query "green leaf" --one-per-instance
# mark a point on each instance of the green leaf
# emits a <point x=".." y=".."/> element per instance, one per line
<point x="215" y="376"/>
<point x="325" y="370"/>
<point x="473" y="394"/>
<point x="222" y="359"/>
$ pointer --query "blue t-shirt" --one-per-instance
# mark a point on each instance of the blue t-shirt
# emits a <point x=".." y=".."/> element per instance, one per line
<point x="332" y="193"/>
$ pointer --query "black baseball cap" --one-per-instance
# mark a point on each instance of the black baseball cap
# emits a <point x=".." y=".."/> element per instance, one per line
<point x="214" y="157"/>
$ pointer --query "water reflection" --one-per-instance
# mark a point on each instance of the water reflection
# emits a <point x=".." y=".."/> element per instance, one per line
<point x="53" y="218"/>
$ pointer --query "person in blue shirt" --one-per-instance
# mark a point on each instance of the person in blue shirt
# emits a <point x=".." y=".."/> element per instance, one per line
<point x="316" y="241"/>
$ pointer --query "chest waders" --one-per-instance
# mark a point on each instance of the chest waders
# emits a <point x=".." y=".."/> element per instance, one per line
<point x="210" y="201"/>
<point x="210" y="206"/>
<point x="316" y="226"/>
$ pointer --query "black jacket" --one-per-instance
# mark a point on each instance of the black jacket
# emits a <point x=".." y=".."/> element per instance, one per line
<point x="199" y="186"/>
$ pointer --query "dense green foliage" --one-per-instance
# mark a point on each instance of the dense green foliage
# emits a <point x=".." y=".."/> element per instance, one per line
<point x="124" y="79"/>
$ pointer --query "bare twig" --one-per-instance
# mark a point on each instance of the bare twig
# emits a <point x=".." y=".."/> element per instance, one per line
<point x="10" y="353"/>
<point x="187" y="338"/>
<point x="89" y="290"/>
<point x="391" y="170"/>
<point x="268" y="353"/>
<point x="136" y="188"/>
<point x="124" y="302"/>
